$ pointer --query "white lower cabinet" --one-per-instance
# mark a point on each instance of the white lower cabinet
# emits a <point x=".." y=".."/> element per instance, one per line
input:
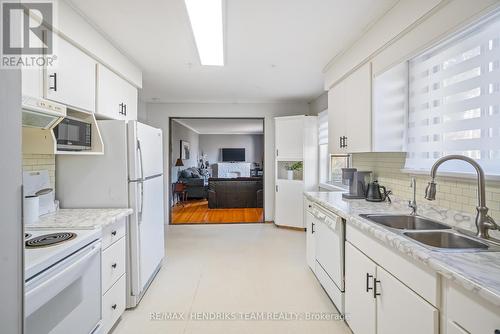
<point x="453" y="328"/>
<point x="465" y="312"/>
<point x="399" y="309"/>
<point x="310" y="241"/>
<point x="377" y="302"/>
<point x="359" y="301"/>
<point x="113" y="304"/>
<point x="113" y="273"/>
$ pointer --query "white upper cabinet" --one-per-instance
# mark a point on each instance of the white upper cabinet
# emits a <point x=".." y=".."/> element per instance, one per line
<point x="72" y="81"/>
<point x="116" y="98"/>
<point x="349" y="110"/>
<point x="289" y="137"/>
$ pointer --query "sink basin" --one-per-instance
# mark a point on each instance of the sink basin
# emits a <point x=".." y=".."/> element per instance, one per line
<point x="446" y="239"/>
<point x="405" y="222"/>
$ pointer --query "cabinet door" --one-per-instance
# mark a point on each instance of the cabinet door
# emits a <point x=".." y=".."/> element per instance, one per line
<point x="110" y="99"/>
<point x="131" y="102"/>
<point x="336" y="119"/>
<point x="400" y="310"/>
<point x="357" y="107"/>
<point x="289" y="137"/>
<point x="453" y="328"/>
<point x="116" y="98"/>
<point x="310" y="240"/>
<point x="359" y="301"/>
<point x="287" y="212"/>
<point x="72" y="80"/>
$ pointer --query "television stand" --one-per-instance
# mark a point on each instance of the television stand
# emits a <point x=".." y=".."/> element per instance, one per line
<point x="231" y="169"/>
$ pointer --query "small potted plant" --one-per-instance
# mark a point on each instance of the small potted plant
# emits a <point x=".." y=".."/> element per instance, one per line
<point x="296" y="166"/>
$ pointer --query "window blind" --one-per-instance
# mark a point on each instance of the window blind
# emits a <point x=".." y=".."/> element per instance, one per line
<point x="323" y="145"/>
<point x="390" y="108"/>
<point x="454" y="101"/>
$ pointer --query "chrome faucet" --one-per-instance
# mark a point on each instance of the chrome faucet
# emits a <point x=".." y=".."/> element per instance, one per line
<point x="484" y="222"/>
<point x="413" y="204"/>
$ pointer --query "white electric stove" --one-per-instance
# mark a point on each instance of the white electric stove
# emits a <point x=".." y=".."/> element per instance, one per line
<point x="62" y="281"/>
<point x="44" y="248"/>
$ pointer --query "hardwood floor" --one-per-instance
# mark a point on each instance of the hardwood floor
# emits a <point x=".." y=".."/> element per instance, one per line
<point x="197" y="212"/>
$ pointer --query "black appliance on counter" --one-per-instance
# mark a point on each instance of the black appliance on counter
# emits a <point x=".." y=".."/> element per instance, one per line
<point x="73" y="135"/>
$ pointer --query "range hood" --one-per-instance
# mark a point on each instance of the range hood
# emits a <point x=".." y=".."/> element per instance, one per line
<point x="42" y="114"/>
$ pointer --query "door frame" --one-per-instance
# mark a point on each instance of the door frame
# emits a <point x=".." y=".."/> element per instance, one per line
<point x="171" y="161"/>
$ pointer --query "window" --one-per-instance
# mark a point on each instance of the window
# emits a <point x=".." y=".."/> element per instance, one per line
<point x="454" y="101"/>
<point x="323" y="145"/>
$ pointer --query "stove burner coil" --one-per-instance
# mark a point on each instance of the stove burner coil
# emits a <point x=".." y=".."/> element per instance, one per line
<point x="47" y="240"/>
<point x="27" y="235"/>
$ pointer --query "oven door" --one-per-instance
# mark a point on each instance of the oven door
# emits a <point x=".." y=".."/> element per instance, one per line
<point x="66" y="298"/>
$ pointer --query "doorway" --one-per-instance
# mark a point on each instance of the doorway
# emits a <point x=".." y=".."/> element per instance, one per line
<point x="216" y="170"/>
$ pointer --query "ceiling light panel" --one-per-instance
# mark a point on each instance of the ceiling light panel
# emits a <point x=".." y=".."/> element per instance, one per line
<point x="206" y="17"/>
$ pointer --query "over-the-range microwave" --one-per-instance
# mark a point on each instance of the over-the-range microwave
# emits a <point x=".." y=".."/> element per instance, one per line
<point x="73" y="135"/>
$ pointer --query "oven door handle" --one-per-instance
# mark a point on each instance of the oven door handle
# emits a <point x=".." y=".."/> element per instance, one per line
<point x="49" y="284"/>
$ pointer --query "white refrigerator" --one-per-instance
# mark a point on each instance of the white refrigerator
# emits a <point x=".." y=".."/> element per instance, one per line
<point x="129" y="174"/>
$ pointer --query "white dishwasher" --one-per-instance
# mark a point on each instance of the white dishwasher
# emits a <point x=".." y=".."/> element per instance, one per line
<point x="329" y="253"/>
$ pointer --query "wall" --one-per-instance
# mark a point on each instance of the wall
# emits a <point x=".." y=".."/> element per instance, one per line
<point x="33" y="162"/>
<point x="73" y="25"/>
<point x="319" y="104"/>
<point x="180" y="132"/>
<point x="11" y="247"/>
<point x="212" y="144"/>
<point x="408" y="27"/>
<point x="452" y="193"/>
<point x="158" y="115"/>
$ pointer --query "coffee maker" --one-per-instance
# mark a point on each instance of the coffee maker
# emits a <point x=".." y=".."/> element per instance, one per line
<point x="356" y="180"/>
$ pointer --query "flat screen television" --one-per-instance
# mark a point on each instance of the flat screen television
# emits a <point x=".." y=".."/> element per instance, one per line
<point x="233" y="154"/>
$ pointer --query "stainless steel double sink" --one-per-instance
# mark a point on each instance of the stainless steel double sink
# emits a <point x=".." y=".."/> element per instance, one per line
<point x="432" y="234"/>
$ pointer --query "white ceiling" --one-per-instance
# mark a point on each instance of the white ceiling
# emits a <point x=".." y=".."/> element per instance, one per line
<point x="275" y="49"/>
<point x="228" y="126"/>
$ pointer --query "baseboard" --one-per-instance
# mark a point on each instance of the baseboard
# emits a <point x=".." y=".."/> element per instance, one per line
<point x="302" y="229"/>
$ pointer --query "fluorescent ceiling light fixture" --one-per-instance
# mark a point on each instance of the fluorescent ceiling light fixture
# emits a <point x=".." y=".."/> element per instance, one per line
<point x="206" y="22"/>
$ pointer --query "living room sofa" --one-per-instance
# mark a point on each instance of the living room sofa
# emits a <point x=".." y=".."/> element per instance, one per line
<point x="242" y="192"/>
<point x="194" y="180"/>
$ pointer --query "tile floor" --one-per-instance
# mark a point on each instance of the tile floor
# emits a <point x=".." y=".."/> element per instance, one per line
<point x="245" y="268"/>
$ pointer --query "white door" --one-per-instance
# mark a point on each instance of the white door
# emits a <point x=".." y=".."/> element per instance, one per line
<point x="289" y="133"/>
<point x="330" y="250"/>
<point x="72" y="81"/>
<point x="287" y="212"/>
<point x="116" y="98"/>
<point x="399" y="309"/>
<point x="151" y="228"/>
<point x="310" y="241"/>
<point x="359" y="301"/>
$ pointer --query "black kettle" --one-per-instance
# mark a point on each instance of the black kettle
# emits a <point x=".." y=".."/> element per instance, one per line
<point x="376" y="192"/>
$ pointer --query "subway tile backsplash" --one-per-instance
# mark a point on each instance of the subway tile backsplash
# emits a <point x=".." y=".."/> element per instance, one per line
<point x="33" y="162"/>
<point x="452" y="193"/>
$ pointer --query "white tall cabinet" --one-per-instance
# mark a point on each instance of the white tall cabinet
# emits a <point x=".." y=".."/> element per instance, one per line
<point x="296" y="140"/>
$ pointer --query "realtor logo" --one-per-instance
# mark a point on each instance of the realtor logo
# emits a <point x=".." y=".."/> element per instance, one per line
<point x="27" y="38"/>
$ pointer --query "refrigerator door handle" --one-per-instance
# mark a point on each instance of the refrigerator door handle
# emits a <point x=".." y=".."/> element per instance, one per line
<point x="141" y="182"/>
